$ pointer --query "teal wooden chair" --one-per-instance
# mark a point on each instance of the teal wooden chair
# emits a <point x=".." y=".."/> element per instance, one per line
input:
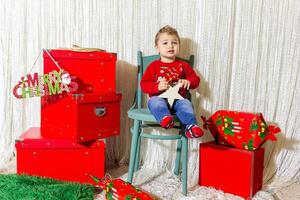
<point x="143" y="118"/>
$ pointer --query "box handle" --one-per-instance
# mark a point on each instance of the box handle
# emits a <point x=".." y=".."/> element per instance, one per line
<point x="100" y="111"/>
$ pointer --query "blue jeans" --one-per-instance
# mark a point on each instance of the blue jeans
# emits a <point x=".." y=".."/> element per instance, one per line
<point x="183" y="109"/>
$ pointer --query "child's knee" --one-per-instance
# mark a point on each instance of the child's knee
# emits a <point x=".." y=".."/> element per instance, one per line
<point x="186" y="102"/>
<point x="156" y="102"/>
<point x="185" y="105"/>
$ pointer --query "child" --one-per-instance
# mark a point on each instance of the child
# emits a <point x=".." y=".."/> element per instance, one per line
<point x="165" y="72"/>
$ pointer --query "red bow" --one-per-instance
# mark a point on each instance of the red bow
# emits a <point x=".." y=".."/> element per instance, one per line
<point x="273" y="130"/>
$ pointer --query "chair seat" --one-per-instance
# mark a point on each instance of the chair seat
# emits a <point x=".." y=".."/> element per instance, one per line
<point x="144" y="114"/>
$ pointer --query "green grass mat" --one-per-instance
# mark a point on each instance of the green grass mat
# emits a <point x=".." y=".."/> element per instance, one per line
<point x="15" y="187"/>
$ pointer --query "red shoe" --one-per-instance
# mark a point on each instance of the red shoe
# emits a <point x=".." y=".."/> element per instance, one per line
<point x="193" y="131"/>
<point x="167" y="122"/>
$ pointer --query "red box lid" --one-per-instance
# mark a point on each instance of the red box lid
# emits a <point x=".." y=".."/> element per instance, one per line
<point x="69" y="54"/>
<point x="32" y="138"/>
<point x="97" y="97"/>
<point x="83" y="98"/>
<point x="222" y="147"/>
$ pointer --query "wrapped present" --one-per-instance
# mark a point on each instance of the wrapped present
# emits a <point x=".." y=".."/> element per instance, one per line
<point x="240" y="129"/>
<point x="117" y="189"/>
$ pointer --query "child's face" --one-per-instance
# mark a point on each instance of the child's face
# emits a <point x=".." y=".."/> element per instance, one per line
<point x="168" y="47"/>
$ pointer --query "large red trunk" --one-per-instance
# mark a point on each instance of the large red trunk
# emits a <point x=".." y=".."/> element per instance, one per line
<point x="81" y="117"/>
<point x="93" y="71"/>
<point x="232" y="170"/>
<point x="59" y="159"/>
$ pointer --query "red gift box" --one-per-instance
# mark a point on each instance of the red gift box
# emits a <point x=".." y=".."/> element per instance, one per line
<point x="117" y="189"/>
<point x="59" y="159"/>
<point x="92" y="71"/>
<point x="240" y="129"/>
<point x="232" y="170"/>
<point x="81" y="117"/>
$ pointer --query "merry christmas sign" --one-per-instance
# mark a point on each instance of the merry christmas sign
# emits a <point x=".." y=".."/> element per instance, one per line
<point x="53" y="83"/>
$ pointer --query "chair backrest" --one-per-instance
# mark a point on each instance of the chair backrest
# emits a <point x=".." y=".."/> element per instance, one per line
<point x="143" y="63"/>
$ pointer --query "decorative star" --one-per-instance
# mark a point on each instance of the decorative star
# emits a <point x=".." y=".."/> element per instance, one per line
<point x="171" y="94"/>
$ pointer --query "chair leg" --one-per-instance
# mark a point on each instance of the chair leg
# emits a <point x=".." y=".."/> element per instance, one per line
<point x="137" y="157"/>
<point x="184" y="164"/>
<point x="178" y="157"/>
<point x="134" y="141"/>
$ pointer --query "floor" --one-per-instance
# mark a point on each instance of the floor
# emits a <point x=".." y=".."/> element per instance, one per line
<point x="166" y="186"/>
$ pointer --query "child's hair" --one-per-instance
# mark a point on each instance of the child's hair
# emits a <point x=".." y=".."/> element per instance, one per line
<point x="167" y="29"/>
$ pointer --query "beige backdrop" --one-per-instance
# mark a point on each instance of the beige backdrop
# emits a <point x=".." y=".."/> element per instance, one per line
<point x="247" y="54"/>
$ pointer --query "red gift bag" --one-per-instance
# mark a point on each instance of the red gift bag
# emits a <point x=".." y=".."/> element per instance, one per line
<point x="240" y="129"/>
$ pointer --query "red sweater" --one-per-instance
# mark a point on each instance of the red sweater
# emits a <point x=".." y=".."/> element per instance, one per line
<point x="172" y="72"/>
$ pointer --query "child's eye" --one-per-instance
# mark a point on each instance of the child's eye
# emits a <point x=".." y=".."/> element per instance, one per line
<point x="165" y="43"/>
<point x="174" y="42"/>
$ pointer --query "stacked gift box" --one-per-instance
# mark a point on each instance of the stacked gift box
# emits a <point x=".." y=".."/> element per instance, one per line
<point x="69" y="144"/>
<point x="234" y="161"/>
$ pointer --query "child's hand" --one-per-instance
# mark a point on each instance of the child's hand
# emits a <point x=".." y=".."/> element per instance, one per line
<point x="163" y="85"/>
<point x="185" y="83"/>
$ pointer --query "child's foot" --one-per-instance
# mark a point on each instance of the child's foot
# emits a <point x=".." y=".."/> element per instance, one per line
<point x="167" y="122"/>
<point x="193" y="131"/>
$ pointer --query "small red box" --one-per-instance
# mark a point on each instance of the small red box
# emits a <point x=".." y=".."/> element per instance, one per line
<point x="94" y="71"/>
<point x="81" y="117"/>
<point x="232" y="170"/>
<point x="59" y="159"/>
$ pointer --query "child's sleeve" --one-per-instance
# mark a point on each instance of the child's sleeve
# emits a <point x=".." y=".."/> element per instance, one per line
<point x="148" y="82"/>
<point x="192" y="77"/>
